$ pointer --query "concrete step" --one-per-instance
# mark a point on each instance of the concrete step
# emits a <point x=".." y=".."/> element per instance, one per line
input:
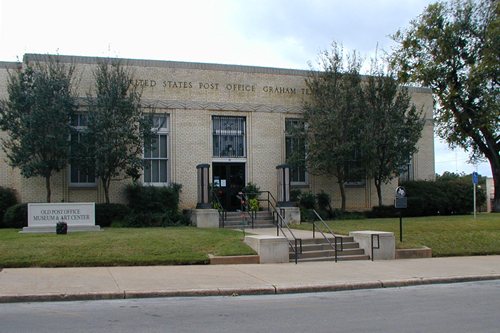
<point x="339" y="258"/>
<point x="263" y="219"/>
<point x="246" y="216"/>
<point x="328" y="253"/>
<point x="326" y="246"/>
<point x="248" y="224"/>
<point x="318" y="249"/>
<point x="321" y="240"/>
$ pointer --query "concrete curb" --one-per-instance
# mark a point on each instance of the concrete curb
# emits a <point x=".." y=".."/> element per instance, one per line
<point x="271" y="290"/>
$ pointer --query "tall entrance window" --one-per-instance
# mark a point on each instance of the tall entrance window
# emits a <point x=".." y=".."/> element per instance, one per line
<point x="295" y="147"/>
<point x="228" y="136"/>
<point x="156" y="153"/>
<point x="79" y="175"/>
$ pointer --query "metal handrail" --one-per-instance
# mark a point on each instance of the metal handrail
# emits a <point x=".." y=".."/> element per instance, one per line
<point x="280" y="221"/>
<point x="279" y="227"/>
<point x="222" y="212"/>
<point x="334" y="246"/>
<point x="375" y="247"/>
<point x="268" y="199"/>
<point x="247" y="208"/>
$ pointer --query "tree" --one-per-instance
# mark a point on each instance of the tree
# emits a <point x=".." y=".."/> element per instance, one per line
<point x="454" y="48"/>
<point x="36" y="116"/>
<point x="394" y="126"/>
<point x="333" y="117"/>
<point x="116" y="128"/>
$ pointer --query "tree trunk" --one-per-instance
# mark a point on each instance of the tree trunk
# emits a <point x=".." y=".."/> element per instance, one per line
<point x="47" y="187"/>
<point x="378" y="186"/>
<point x="342" y="195"/>
<point x="105" y="185"/>
<point x="496" y="180"/>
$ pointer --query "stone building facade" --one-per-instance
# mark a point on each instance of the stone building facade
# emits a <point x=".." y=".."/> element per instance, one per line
<point x="230" y="117"/>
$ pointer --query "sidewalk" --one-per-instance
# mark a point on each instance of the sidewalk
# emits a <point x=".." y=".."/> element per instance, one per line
<point x="60" y="284"/>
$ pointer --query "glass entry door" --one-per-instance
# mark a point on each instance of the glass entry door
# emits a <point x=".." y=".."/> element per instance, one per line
<point x="228" y="180"/>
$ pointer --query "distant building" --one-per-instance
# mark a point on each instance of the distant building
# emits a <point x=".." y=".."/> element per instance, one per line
<point x="233" y="118"/>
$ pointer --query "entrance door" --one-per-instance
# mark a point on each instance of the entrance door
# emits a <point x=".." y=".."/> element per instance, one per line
<point x="228" y="180"/>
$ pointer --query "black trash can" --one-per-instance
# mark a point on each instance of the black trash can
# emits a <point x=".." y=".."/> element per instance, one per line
<point x="61" y="228"/>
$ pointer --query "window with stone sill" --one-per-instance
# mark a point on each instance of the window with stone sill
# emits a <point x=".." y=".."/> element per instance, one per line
<point x="79" y="176"/>
<point x="298" y="175"/>
<point x="156" y="153"/>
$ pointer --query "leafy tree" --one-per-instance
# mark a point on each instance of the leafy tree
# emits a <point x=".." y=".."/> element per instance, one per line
<point x="36" y="116"/>
<point x="393" y="125"/>
<point x="116" y="128"/>
<point x="334" y="115"/>
<point x="454" y="48"/>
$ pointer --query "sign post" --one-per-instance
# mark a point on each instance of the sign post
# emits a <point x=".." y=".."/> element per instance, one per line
<point x="400" y="202"/>
<point x="475" y="180"/>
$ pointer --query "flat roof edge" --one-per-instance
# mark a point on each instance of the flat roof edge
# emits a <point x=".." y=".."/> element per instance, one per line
<point x="169" y="64"/>
<point x="182" y="65"/>
<point x="10" y="64"/>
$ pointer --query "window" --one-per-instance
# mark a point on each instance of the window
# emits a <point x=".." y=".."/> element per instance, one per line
<point x="406" y="173"/>
<point x="228" y="136"/>
<point x="355" y="173"/>
<point x="156" y="153"/>
<point x="295" y="148"/>
<point x="81" y="175"/>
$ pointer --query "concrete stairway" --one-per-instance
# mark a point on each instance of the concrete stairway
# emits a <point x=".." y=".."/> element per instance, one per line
<point x="263" y="219"/>
<point x="319" y="249"/>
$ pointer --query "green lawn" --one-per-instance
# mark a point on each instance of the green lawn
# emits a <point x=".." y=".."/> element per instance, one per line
<point x="119" y="246"/>
<point x="446" y="235"/>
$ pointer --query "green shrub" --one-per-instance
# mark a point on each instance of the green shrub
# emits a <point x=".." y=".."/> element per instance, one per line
<point x="383" y="211"/>
<point x="443" y="197"/>
<point x="254" y="204"/>
<point x="323" y="200"/>
<point x="251" y="191"/>
<point x="307" y="215"/>
<point x="149" y="219"/>
<point x="105" y="214"/>
<point x="7" y="199"/>
<point x="295" y="194"/>
<point x="307" y="200"/>
<point x="154" y="207"/>
<point x="152" y="198"/>
<point x="16" y="216"/>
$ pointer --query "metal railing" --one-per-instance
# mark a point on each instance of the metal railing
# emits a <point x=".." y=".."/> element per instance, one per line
<point x="270" y="204"/>
<point x="250" y="212"/>
<point x="378" y="243"/>
<point x="222" y="212"/>
<point x="328" y="230"/>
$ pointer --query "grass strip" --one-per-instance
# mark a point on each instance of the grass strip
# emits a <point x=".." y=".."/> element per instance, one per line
<point x="119" y="247"/>
<point x="445" y="235"/>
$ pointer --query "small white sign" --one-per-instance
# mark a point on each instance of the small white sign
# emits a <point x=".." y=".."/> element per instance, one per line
<point x="49" y="214"/>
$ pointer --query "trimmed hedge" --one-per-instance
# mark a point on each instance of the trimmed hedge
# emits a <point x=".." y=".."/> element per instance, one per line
<point x="152" y="206"/>
<point x="16" y="216"/>
<point x="7" y="199"/>
<point x="105" y="214"/>
<point x="153" y="199"/>
<point x="452" y="197"/>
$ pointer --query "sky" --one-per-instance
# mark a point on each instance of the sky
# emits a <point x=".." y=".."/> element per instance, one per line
<point x="269" y="33"/>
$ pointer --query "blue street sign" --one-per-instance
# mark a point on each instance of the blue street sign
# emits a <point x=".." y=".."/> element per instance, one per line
<point x="475" y="178"/>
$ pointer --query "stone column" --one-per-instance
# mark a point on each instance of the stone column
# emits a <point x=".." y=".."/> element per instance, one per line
<point x="283" y="173"/>
<point x="202" y="171"/>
